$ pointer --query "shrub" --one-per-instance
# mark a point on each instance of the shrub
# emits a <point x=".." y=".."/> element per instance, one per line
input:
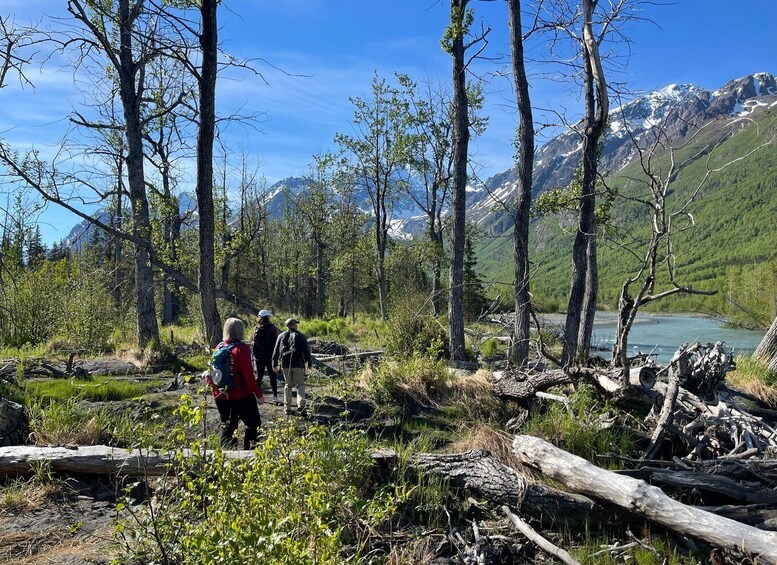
<point x="290" y="503"/>
<point x="491" y="348"/>
<point x="421" y="334"/>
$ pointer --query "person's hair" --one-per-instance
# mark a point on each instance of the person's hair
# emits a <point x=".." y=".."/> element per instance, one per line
<point x="234" y="329"/>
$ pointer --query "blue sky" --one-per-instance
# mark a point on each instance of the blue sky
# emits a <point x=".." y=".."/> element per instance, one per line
<point x="337" y="44"/>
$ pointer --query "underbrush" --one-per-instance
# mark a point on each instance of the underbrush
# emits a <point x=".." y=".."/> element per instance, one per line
<point x="66" y="422"/>
<point x="419" y="384"/>
<point x="302" y="498"/>
<point x="583" y="426"/>
<point x="754" y="378"/>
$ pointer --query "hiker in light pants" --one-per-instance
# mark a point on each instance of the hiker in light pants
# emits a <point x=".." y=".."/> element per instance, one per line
<point x="292" y="354"/>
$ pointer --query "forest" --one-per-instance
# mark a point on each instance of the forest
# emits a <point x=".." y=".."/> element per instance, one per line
<point x="452" y="418"/>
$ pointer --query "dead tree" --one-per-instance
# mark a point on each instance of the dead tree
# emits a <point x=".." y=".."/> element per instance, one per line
<point x="136" y="30"/>
<point x="658" y="257"/>
<point x="457" y="41"/>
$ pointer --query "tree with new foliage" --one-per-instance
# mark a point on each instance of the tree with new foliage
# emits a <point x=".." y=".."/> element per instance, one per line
<point x="456" y="41"/>
<point x="378" y="152"/>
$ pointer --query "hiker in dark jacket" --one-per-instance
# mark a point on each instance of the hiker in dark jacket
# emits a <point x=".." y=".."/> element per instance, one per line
<point x="241" y="401"/>
<point x="262" y="343"/>
<point x="292" y="354"/>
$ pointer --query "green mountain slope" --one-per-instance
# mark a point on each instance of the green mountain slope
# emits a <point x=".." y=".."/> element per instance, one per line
<point x="733" y="242"/>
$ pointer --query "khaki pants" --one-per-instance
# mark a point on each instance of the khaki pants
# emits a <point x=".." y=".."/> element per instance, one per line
<point x="295" y="377"/>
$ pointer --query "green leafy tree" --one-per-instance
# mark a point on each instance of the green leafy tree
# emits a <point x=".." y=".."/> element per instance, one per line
<point x="378" y="151"/>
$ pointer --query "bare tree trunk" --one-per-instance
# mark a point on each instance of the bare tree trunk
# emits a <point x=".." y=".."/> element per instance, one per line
<point x="118" y="244"/>
<point x="147" y="327"/>
<point x="458" y="190"/>
<point x="585" y="278"/>
<point x="205" y="135"/>
<point x="520" y="346"/>
<point x="320" y="280"/>
<point x="766" y="352"/>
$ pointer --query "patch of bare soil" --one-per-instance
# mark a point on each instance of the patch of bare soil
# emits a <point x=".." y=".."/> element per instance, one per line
<point x="70" y="525"/>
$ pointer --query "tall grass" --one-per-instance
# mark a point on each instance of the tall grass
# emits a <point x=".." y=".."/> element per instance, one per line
<point x="577" y="427"/>
<point x="754" y="378"/>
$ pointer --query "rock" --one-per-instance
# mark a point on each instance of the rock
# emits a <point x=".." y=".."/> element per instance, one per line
<point x="14" y="423"/>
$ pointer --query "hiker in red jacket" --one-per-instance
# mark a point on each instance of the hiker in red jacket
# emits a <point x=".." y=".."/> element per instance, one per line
<point x="241" y="401"/>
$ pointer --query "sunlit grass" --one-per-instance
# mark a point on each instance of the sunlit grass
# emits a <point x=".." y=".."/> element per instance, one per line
<point x="754" y="378"/>
<point x="576" y="427"/>
<point x="98" y="388"/>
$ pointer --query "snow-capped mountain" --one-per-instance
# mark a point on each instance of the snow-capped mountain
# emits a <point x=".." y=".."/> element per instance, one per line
<point x="677" y="110"/>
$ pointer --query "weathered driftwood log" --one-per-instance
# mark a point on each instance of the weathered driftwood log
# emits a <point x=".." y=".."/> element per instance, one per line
<point x="480" y="473"/>
<point x="762" y="516"/>
<point x="106" y="460"/>
<point x="665" y="418"/>
<point x="643" y="376"/>
<point x="361" y="356"/>
<point x="525" y="385"/>
<point x="638" y="497"/>
<point x="748" y="492"/>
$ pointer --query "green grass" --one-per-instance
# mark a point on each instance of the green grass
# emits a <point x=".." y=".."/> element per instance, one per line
<point x="754" y="378"/>
<point x="576" y="428"/>
<point x="649" y="550"/>
<point x="98" y="388"/>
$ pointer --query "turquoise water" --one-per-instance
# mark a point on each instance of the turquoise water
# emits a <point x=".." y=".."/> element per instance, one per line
<point x="666" y="333"/>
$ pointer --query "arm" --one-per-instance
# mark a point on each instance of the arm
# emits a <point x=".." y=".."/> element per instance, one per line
<point x="276" y="352"/>
<point x="306" y="352"/>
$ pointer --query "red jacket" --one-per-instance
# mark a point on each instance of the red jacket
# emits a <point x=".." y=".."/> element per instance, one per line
<point x="241" y="370"/>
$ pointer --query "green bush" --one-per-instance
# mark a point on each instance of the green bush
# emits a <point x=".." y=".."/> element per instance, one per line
<point x="418" y="335"/>
<point x="300" y="499"/>
<point x="62" y="299"/>
<point x="491" y="348"/>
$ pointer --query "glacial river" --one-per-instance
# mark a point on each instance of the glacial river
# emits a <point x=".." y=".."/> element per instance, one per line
<point x="666" y="332"/>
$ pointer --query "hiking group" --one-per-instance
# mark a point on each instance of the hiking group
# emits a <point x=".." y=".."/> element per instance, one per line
<point x="237" y="370"/>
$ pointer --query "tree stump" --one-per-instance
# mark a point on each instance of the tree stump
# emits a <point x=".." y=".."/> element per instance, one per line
<point x="14" y="423"/>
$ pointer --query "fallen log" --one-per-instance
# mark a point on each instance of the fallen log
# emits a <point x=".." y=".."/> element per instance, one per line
<point x="106" y="460"/>
<point x="638" y="497"/>
<point x="480" y="473"/>
<point x="509" y="386"/>
<point x="665" y="418"/>
<point x="361" y="356"/>
<point x="747" y="492"/>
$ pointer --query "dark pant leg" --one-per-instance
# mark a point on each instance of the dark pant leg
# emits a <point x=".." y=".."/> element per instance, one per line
<point x="248" y="411"/>
<point x="229" y="419"/>
<point x="261" y="365"/>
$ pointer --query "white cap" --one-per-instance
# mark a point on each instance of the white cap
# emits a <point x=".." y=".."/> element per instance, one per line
<point x="265" y="313"/>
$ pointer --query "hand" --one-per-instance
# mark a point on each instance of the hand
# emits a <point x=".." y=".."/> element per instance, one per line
<point x="260" y="399"/>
